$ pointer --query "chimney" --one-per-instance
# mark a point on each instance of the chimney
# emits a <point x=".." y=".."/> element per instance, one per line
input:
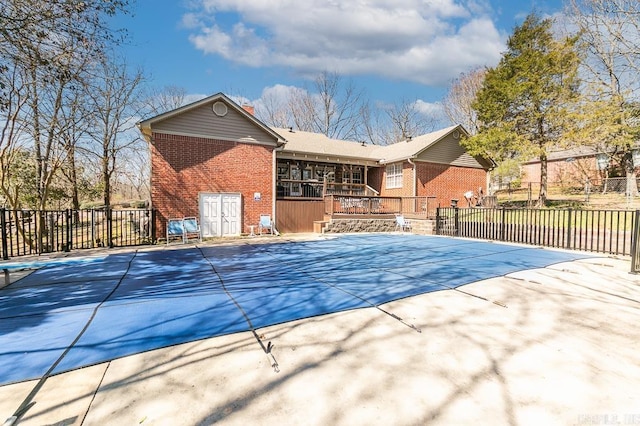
<point x="250" y="109"/>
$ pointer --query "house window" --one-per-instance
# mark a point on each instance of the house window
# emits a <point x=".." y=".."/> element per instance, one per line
<point x="394" y="175"/>
<point x="356" y="175"/>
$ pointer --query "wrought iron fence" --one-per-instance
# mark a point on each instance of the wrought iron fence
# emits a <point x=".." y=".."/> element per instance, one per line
<point x="602" y="231"/>
<point x="26" y="232"/>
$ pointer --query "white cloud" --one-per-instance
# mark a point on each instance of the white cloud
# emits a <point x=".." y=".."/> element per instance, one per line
<point x="429" y="109"/>
<point x="190" y="21"/>
<point x="428" y="42"/>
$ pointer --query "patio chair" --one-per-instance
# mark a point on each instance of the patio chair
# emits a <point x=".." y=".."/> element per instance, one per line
<point x="191" y="229"/>
<point x="175" y="229"/>
<point x="265" y="224"/>
<point x="402" y="224"/>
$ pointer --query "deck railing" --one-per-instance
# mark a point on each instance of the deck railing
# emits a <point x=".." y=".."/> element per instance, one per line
<point x="362" y="205"/>
<point x="290" y="188"/>
<point x="26" y="232"/>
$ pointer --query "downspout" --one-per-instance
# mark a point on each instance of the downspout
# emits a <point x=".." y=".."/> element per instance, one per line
<point x="274" y="181"/>
<point x="147" y="135"/>
<point x="415" y="177"/>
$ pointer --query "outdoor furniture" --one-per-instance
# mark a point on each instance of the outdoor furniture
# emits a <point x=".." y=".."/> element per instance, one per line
<point x="175" y="229"/>
<point x="265" y="224"/>
<point x="402" y="224"/>
<point x="191" y="229"/>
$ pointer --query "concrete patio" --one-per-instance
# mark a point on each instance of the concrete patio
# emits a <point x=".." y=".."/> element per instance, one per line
<point x="553" y="346"/>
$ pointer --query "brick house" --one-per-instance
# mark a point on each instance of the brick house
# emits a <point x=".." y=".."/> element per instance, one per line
<point x="214" y="160"/>
<point x="434" y="164"/>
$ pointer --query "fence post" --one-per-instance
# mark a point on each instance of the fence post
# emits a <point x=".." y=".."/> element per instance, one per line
<point x="3" y="224"/>
<point x="152" y="226"/>
<point x="109" y="225"/>
<point x="438" y="224"/>
<point x="568" y="244"/>
<point x="503" y="225"/>
<point x="635" y="241"/>
<point x="70" y="216"/>
<point x="457" y="221"/>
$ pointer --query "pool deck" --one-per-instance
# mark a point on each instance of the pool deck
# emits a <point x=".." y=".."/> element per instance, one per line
<point x="551" y="346"/>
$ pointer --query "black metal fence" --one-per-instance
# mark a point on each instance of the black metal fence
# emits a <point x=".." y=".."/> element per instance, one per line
<point x="602" y="231"/>
<point x="26" y="232"/>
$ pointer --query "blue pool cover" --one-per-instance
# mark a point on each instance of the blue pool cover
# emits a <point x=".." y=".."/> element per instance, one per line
<point x="135" y="302"/>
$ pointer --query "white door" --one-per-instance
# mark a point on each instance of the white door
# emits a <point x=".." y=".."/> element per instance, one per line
<point x="220" y="214"/>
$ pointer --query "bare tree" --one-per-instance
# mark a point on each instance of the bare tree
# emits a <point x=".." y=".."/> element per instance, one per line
<point x="112" y="97"/>
<point x="388" y="124"/>
<point x="457" y="103"/>
<point x="610" y="39"/>
<point x="275" y="109"/>
<point x="77" y="117"/>
<point x="46" y="52"/>
<point x="12" y="139"/>
<point x="158" y="101"/>
<point x="408" y="121"/>
<point x="333" y="107"/>
<point x="38" y="31"/>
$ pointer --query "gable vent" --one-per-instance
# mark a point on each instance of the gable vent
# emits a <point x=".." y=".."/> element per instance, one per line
<point x="220" y="109"/>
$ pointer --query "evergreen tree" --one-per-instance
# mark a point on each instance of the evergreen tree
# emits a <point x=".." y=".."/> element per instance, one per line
<point x="525" y="100"/>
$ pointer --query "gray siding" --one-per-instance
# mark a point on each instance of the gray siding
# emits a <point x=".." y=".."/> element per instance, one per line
<point x="203" y="122"/>
<point x="449" y="151"/>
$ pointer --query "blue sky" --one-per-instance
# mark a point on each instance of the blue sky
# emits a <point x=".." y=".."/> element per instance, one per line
<point x="394" y="49"/>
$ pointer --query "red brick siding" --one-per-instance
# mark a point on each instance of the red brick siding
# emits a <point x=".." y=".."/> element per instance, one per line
<point x="449" y="182"/>
<point x="182" y="167"/>
<point x="407" y="183"/>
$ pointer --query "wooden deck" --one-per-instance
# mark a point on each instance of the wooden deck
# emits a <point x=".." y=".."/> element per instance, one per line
<point x="301" y="215"/>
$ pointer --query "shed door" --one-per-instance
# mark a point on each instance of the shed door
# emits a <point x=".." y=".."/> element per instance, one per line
<point x="220" y="214"/>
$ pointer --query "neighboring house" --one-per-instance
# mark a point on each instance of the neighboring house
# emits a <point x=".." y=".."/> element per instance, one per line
<point x="213" y="159"/>
<point x="571" y="167"/>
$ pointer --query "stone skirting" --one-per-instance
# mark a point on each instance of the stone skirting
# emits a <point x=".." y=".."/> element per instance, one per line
<point x="418" y="226"/>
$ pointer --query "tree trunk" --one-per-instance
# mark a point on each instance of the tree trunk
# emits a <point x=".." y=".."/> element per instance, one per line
<point x="106" y="174"/>
<point x="632" y="183"/>
<point x="542" y="197"/>
<point x="73" y="178"/>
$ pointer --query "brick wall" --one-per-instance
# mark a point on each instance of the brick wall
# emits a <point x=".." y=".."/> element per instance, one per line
<point x="407" y="182"/>
<point x="562" y="171"/>
<point x="449" y="182"/>
<point x="182" y="167"/>
<point x="440" y="180"/>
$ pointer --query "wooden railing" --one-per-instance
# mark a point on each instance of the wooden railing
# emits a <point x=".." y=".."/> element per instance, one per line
<point x="372" y="205"/>
<point x="291" y="188"/>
